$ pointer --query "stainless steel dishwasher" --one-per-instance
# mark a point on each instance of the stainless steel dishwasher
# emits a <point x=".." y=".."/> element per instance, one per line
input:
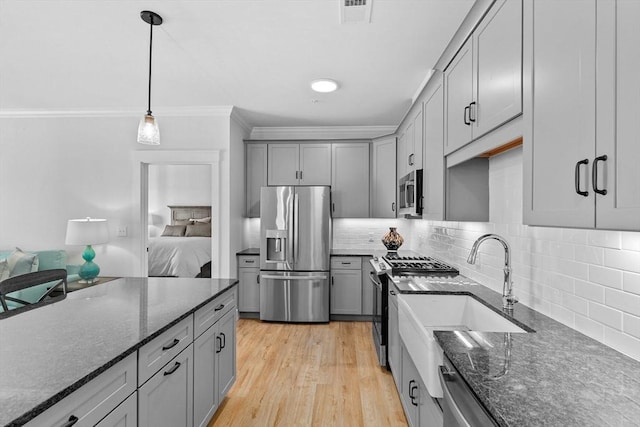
<point x="460" y="407"/>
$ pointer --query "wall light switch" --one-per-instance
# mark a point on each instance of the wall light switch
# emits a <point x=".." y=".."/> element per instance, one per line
<point x="121" y="231"/>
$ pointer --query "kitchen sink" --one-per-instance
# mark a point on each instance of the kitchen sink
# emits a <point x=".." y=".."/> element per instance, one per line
<point x="421" y="314"/>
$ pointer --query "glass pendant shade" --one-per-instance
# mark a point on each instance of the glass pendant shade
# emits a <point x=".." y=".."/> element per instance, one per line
<point x="148" y="131"/>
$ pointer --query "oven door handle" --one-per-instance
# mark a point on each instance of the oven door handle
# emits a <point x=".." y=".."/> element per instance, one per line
<point x="374" y="281"/>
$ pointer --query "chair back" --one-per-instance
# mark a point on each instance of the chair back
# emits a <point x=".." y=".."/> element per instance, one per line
<point x="31" y="288"/>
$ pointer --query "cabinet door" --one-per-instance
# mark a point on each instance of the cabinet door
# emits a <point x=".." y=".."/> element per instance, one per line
<point x="402" y="156"/>
<point x="367" y="287"/>
<point x="205" y="397"/>
<point x="350" y="180"/>
<point x="383" y="179"/>
<point x="249" y="289"/>
<point x="226" y="355"/>
<point x="410" y="393"/>
<point x="459" y="95"/>
<point x="498" y="69"/>
<point x="167" y="398"/>
<point x="283" y="164"/>
<point x="433" y="163"/>
<point x="618" y="111"/>
<point x="393" y="341"/>
<point x="125" y="415"/>
<point x="415" y="145"/>
<point x="315" y="164"/>
<point x="346" y="292"/>
<point x="256" y="176"/>
<point x="429" y="412"/>
<point x="559" y="131"/>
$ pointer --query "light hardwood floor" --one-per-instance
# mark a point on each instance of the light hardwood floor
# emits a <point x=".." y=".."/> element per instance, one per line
<point x="309" y="375"/>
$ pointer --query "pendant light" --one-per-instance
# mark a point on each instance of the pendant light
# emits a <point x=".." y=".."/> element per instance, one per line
<point x="148" y="131"/>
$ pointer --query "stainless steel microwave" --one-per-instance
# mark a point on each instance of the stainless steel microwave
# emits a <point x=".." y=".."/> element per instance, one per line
<point x="410" y="194"/>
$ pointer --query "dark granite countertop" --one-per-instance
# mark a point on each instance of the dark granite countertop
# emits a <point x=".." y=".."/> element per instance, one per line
<point x="48" y="352"/>
<point x="249" y="251"/>
<point x="554" y="376"/>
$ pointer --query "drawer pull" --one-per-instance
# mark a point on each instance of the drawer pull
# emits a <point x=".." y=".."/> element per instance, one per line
<point x="392" y="292"/>
<point x="224" y="340"/>
<point x="172" y="370"/>
<point x="346" y="263"/>
<point x="594" y="175"/>
<point x="249" y="261"/>
<point x="174" y="343"/>
<point x="218" y="308"/>
<point x="72" y="420"/>
<point x="219" y="341"/>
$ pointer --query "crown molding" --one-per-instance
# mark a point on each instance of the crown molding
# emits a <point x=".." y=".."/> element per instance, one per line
<point x="321" y="132"/>
<point x="224" y="111"/>
<point x="237" y="117"/>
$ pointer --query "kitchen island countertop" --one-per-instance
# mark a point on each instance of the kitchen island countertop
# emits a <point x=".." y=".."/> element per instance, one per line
<point x="48" y="352"/>
<point x="555" y="376"/>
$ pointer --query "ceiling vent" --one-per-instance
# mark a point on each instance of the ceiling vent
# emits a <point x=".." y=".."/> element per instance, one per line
<point x="355" y="11"/>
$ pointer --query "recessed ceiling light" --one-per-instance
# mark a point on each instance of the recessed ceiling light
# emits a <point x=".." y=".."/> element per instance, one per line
<point x="324" y="85"/>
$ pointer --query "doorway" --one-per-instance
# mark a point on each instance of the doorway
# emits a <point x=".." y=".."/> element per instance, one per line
<point x="142" y="161"/>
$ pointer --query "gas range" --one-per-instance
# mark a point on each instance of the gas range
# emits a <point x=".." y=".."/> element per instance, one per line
<point x="417" y="265"/>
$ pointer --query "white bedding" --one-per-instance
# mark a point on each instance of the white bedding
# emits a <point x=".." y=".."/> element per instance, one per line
<point x="178" y="256"/>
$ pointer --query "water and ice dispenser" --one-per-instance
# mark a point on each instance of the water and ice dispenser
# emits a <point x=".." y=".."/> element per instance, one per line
<point x="276" y="245"/>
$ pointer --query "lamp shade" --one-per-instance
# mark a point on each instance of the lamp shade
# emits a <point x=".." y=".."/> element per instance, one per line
<point x="87" y="231"/>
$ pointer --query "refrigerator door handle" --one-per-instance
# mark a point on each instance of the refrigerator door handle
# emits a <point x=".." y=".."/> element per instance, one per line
<point x="296" y="227"/>
<point x="290" y="244"/>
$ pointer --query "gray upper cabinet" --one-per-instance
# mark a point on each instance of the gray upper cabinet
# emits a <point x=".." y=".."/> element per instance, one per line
<point x="618" y="110"/>
<point x="433" y="164"/>
<point x="383" y="178"/>
<point x="409" y="157"/>
<point x="256" y="176"/>
<point x="483" y="83"/>
<point x="299" y="164"/>
<point x="350" y="180"/>
<point x="580" y="145"/>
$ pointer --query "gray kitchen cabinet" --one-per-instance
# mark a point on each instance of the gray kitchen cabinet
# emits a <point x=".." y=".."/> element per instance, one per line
<point x="350" y="180"/>
<point x="367" y="287"/>
<point x="299" y="164"/>
<point x="249" y="283"/>
<point x="394" y="347"/>
<point x="433" y="164"/>
<point x="410" y="142"/>
<point x="483" y="83"/>
<point x="383" y="178"/>
<point x="346" y="285"/>
<point x="419" y="407"/>
<point x="214" y="363"/>
<point x="402" y="166"/>
<point x="95" y="400"/>
<point x="256" y="177"/>
<point x="125" y="415"/>
<point x="581" y="149"/>
<point x="166" y="399"/>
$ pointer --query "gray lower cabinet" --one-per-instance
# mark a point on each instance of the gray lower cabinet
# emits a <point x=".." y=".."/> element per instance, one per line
<point x="367" y="287"/>
<point x="214" y="361"/>
<point x="419" y="407"/>
<point x="249" y="286"/>
<point x="125" y="415"/>
<point x="346" y="285"/>
<point x="167" y="398"/>
<point x="394" y="348"/>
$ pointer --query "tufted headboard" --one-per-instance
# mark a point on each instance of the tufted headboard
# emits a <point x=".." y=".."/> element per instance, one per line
<point x="182" y="213"/>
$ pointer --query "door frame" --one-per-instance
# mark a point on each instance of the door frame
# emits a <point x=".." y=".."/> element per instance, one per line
<point x="141" y="161"/>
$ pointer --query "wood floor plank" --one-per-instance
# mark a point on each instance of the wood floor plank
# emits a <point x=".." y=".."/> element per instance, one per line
<point x="309" y="375"/>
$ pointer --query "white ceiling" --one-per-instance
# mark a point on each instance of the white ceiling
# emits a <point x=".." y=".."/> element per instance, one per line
<point x="257" y="55"/>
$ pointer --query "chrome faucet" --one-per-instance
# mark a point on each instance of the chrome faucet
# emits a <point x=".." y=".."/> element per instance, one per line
<point x="508" y="299"/>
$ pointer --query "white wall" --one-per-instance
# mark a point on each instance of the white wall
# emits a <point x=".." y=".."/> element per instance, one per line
<point x="56" y="168"/>
<point x="587" y="279"/>
<point x="176" y="185"/>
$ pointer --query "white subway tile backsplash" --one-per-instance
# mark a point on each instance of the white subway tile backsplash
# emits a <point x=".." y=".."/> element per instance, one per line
<point x="575" y="303"/>
<point x="589" y="291"/>
<point x="606" y="315"/>
<point x="623" y="342"/>
<point x="631" y="241"/>
<point x="589" y="254"/>
<point x="622" y="301"/>
<point x="631" y="325"/>
<point x="589" y="327"/>
<point x="605" y="239"/>
<point x="623" y="260"/>
<point x="631" y="282"/>
<point x="605" y="276"/>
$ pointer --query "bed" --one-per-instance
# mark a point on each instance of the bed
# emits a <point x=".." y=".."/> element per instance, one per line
<point x="184" y="249"/>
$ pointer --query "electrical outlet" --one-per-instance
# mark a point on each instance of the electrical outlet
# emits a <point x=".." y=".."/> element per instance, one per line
<point x="370" y="237"/>
<point x="121" y="231"/>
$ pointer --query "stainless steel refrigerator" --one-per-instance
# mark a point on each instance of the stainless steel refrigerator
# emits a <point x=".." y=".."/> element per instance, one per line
<point x="295" y="245"/>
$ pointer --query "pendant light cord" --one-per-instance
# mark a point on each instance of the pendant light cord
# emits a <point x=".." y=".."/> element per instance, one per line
<point x="150" y="56"/>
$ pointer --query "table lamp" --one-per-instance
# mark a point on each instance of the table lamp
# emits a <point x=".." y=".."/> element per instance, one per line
<point x="87" y="231"/>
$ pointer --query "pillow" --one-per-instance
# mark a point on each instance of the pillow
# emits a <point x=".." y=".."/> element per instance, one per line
<point x="22" y="263"/>
<point x="174" y="230"/>
<point x="198" y="230"/>
<point x="197" y="220"/>
<point x="4" y="269"/>
<point x="182" y="222"/>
